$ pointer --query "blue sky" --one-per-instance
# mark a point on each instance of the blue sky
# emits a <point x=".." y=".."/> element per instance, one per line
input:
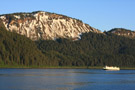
<point x="100" y="14"/>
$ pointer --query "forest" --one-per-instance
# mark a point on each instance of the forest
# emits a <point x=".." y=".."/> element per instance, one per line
<point x="92" y="49"/>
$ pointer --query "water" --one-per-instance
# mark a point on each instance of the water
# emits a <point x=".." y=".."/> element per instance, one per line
<point x="66" y="79"/>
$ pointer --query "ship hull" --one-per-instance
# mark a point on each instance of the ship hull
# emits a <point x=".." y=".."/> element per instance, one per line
<point x="111" y="68"/>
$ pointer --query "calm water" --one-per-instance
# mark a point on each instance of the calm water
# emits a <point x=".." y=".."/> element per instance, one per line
<point x="66" y="79"/>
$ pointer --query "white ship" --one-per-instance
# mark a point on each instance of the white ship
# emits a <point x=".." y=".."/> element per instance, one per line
<point x="111" y="68"/>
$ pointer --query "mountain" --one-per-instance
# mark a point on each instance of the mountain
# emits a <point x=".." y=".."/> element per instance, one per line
<point x="48" y="44"/>
<point x="45" y="25"/>
<point x="123" y="32"/>
<point x="93" y="49"/>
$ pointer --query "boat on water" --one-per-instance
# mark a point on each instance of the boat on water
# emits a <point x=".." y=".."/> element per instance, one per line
<point x="111" y="68"/>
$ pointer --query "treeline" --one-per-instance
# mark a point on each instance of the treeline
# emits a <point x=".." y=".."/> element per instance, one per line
<point x="19" y="50"/>
<point x="92" y="50"/>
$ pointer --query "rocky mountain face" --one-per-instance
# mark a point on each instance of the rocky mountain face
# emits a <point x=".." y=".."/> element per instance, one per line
<point x="45" y="25"/>
<point x="123" y="32"/>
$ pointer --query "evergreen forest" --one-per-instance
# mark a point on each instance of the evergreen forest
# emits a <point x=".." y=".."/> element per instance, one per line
<point x="92" y="49"/>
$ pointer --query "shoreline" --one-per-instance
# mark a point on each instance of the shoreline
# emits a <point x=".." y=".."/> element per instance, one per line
<point x="50" y="67"/>
<point x="60" y="67"/>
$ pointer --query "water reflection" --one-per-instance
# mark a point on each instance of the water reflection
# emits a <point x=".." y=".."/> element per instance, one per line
<point x="79" y="83"/>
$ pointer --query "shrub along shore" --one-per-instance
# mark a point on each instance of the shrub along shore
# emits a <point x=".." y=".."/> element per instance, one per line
<point x="59" y="67"/>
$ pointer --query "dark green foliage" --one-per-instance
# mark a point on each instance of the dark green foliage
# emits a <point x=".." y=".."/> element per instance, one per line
<point x="2" y="25"/>
<point x="19" y="50"/>
<point x="92" y="50"/>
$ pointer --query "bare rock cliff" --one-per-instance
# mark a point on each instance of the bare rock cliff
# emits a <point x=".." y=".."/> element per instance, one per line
<point x="45" y="25"/>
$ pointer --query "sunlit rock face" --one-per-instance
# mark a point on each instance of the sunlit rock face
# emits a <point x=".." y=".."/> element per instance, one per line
<point x="45" y="25"/>
<point x="123" y="32"/>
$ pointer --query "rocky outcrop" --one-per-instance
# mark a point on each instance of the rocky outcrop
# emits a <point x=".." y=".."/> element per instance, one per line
<point x="45" y="25"/>
<point x="123" y="32"/>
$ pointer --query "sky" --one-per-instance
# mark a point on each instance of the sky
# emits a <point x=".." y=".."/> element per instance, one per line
<point x="100" y="14"/>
